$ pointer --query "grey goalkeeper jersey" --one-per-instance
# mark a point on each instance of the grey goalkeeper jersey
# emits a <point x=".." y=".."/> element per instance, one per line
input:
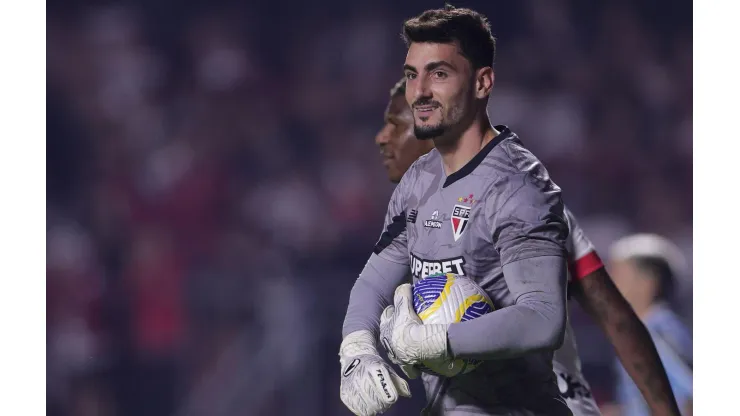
<point x="501" y="210"/>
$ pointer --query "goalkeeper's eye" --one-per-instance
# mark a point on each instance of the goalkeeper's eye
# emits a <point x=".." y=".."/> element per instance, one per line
<point x="440" y="74"/>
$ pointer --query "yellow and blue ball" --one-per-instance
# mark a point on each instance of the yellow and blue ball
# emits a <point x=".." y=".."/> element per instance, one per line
<point x="448" y="299"/>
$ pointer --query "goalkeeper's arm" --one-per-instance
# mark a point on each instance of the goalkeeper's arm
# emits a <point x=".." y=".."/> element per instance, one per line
<point x="535" y="322"/>
<point x="387" y="267"/>
<point x="529" y="232"/>
<point x="368" y="384"/>
<point x="372" y="292"/>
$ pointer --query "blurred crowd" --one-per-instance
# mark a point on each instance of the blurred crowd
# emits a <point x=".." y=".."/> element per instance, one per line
<point x="213" y="189"/>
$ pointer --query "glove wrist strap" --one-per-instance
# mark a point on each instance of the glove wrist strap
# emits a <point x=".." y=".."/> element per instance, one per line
<point x="357" y="343"/>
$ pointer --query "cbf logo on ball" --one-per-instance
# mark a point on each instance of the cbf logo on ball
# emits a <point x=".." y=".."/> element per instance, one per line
<point x="460" y="217"/>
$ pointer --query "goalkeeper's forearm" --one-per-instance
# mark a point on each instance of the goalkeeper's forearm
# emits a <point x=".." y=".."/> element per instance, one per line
<point x="372" y="292"/>
<point x="536" y="322"/>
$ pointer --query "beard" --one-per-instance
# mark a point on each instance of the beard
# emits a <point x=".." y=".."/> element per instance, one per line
<point x="449" y="122"/>
<point x="429" y="132"/>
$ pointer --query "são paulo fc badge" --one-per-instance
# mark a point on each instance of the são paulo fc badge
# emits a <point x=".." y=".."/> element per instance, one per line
<point x="459" y="219"/>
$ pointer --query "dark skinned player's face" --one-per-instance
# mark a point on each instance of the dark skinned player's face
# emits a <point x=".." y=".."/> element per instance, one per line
<point x="439" y="88"/>
<point x="396" y="139"/>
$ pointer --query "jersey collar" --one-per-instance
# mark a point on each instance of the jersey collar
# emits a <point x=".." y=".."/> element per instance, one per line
<point x="469" y="167"/>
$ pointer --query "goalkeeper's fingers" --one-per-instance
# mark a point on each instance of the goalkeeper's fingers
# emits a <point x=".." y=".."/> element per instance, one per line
<point x="404" y="305"/>
<point x="402" y="298"/>
<point x="401" y="385"/>
<point x="386" y="316"/>
<point x="386" y="331"/>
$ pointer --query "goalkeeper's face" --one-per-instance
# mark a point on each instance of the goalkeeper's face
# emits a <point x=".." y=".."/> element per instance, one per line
<point x="396" y="140"/>
<point x="439" y="89"/>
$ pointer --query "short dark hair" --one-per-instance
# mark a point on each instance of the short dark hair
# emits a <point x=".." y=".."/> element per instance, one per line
<point x="469" y="28"/>
<point x="399" y="89"/>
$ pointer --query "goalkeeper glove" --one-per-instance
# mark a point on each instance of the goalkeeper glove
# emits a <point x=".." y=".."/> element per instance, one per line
<point x="369" y="385"/>
<point x="406" y="338"/>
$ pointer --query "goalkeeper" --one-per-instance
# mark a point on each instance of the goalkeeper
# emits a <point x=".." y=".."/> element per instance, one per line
<point x="502" y="225"/>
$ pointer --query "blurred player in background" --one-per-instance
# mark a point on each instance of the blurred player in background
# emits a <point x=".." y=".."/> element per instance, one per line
<point x="590" y="284"/>
<point x="501" y="223"/>
<point x="398" y="145"/>
<point x="644" y="267"/>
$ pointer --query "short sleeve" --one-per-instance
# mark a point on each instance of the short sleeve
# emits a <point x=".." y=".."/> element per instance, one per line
<point x="582" y="256"/>
<point x="392" y="244"/>
<point x="527" y="218"/>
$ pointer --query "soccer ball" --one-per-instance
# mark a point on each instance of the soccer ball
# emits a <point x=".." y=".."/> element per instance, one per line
<point x="448" y="299"/>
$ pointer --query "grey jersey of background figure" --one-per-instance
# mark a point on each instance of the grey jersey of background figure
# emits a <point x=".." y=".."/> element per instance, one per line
<point x="499" y="208"/>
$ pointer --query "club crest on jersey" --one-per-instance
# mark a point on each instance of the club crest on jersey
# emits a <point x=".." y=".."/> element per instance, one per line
<point x="459" y="219"/>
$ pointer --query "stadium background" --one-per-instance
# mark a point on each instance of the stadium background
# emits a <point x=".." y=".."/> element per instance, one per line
<point x="213" y="189"/>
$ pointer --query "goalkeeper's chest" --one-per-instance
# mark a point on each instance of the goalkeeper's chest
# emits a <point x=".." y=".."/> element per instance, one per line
<point x="448" y="233"/>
